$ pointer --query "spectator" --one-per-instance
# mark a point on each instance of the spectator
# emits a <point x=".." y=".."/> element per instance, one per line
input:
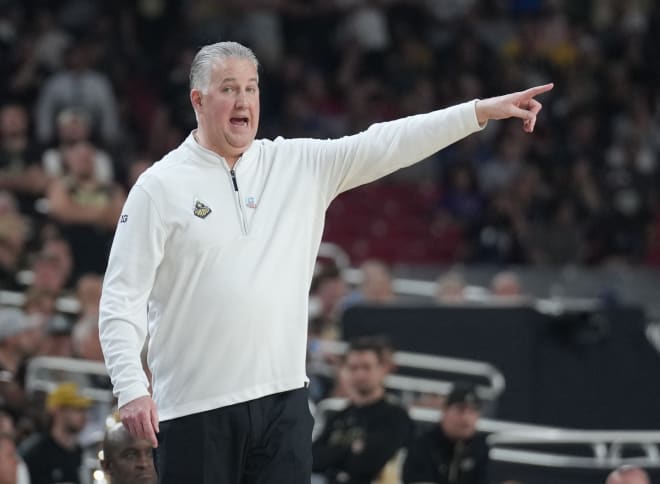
<point x="85" y="209"/>
<point x="127" y="460"/>
<point x="74" y="126"/>
<point x="19" y="339"/>
<point x="20" y="172"/>
<point x="452" y="452"/>
<point x="357" y="442"/>
<point x="450" y="288"/>
<point x="327" y="290"/>
<point x="375" y="285"/>
<point x="13" y="237"/>
<point x="88" y="292"/>
<point x="79" y="86"/>
<point x="506" y="288"/>
<point x="628" y="475"/>
<point x="8" y="429"/>
<point x="57" y="455"/>
<point x="85" y="340"/>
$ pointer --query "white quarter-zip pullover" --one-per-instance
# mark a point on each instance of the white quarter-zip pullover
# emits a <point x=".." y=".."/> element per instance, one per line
<point x="215" y="264"/>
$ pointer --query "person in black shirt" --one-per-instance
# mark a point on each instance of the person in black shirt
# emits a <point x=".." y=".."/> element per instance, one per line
<point x="452" y="452"/>
<point x="357" y="442"/>
<point x="57" y="456"/>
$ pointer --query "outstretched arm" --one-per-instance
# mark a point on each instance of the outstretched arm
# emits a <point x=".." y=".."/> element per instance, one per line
<point x="515" y="105"/>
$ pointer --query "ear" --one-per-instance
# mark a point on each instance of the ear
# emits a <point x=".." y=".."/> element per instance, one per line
<point x="196" y="99"/>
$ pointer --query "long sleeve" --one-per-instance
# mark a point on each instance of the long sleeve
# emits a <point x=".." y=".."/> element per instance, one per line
<point x="136" y="253"/>
<point x="383" y="148"/>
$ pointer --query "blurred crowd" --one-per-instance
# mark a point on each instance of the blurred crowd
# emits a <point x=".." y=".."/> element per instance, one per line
<point x="92" y="93"/>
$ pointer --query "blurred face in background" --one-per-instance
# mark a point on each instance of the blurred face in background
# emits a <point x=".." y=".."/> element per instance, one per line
<point x="79" y="160"/>
<point x="459" y="421"/>
<point x="131" y="463"/>
<point x="13" y="121"/>
<point x="72" y="420"/>
<point x="365" y="372"/>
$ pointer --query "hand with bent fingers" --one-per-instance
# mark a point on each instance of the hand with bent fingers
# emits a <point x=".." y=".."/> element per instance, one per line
<point x="515" y="105"/>
<point x="140" y="418"/>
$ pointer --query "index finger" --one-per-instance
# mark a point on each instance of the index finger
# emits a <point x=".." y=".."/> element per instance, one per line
<point x="535" y="91"/>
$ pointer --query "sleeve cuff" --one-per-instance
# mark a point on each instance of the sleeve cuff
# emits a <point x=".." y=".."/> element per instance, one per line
<point x="136" y="390"/>
<point x="473" y="116"/>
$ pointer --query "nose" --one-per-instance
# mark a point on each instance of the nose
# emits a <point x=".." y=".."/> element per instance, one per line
<point x="241" y="99"/>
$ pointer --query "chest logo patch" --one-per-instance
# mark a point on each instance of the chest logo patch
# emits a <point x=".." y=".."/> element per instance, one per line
<point x="201" y="210"/>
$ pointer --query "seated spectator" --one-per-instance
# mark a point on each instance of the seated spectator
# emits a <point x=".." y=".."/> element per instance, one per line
<point x="19" y="339"/>
<point x="357" y="442"/>
<point x="57" y="455"/>
<point x="20" y="172"/>
<point x="506" y="288"/>
<point x="326" y="292"/>
<point x="628" y="475"/>
<point x="8" y="429"/>
<point x="13" y="237"/>
<point x="450" y="287"/>
<point x="375" y="286"/>
<point x="58" y="338"/>
<point x="452" y="452"/>
<point x="85" y="340"/>
<point x="73" y="126"/>
<point x="86" y="210"/>
<point x="79" y="86"/>
<point x="127" y="460"/>
<point x="88" y="291"/>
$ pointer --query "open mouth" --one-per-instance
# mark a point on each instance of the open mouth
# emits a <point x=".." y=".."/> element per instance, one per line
<point x="239" y="121"/>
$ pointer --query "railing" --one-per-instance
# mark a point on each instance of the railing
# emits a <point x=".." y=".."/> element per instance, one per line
<point x="457" y="366"/>
<point x="606" y="446"/>
<point x="44" y="373"/>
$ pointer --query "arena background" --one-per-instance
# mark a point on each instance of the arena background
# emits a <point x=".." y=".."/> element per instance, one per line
<point x="536" y="254"/>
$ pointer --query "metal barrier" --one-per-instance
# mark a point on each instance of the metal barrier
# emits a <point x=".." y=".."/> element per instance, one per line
<point x="457" y="366"/>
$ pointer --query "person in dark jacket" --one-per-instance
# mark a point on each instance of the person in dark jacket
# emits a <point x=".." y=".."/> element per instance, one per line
<point x="452" y="452"/>
<point x="357" y="442"/>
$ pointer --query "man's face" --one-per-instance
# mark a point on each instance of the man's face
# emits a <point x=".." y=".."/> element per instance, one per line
<point x="459" y="421"/>
<point x="132" y="463"/>
<point x="228" y="111"/>
<point x="365" y="372"/>
<point x="8" y="462"/>
<point x="73" y="419"/>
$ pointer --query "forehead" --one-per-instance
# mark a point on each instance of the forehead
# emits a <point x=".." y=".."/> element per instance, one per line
<point x="131" y="444"/>
<point x="361" y="356"/>
<point x="234" y="68"/>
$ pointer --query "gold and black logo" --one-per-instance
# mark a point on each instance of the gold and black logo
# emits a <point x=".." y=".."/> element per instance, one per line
<point x="201" y="210"/>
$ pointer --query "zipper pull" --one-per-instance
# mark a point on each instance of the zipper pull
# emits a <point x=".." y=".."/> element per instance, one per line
<point x="233" y="179"/>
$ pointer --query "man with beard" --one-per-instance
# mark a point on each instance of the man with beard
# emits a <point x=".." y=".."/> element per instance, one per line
<point x="57" y="456"/>
<point x="358" y="441"/>
<point x="127" y="460"/>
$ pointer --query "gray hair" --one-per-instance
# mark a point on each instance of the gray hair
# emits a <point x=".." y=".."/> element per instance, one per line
<point x="207" y="56"/>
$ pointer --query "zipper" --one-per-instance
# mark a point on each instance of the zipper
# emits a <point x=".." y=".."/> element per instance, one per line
<point x="232" y="172"/>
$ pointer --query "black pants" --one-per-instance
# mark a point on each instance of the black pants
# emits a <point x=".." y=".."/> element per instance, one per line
<point x="262" y="441"/>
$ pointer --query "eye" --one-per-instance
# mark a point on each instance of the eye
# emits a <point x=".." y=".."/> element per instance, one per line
<point x="228" y="89"/>
<point x="252" y="89"/>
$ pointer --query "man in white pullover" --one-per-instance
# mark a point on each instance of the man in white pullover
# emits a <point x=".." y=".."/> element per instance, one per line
<point x="213" y="257"/>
